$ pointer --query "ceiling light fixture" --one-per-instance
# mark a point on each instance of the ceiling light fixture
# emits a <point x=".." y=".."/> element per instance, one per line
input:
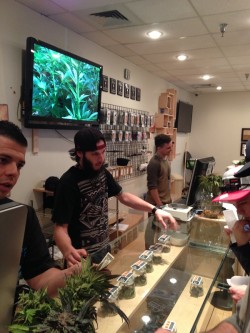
<point x="218" y="87"/>
<point x="182" y="57"/>
<point x="206" y="77"/>
<point x="155" y="34"/>
<point x="223" y="28"/>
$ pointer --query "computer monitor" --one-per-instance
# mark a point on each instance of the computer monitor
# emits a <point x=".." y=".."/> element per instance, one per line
<point x="202" y="166"/>
<point x="12" y="226"/>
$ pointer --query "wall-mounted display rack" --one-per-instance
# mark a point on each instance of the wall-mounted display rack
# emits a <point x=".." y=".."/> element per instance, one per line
<point x="126" y="131"/>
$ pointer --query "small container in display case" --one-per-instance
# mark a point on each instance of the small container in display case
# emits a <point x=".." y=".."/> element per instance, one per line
<point x="139" y="270"/>
<point x="164" y="239"/>
<point x="170" y="326"/>
<point x="196" y="287"/>
<point x="147" y="256"/>
<point x="126" y="285"/>
<point x="157" y="253"/>
<point x="108" y="309"/>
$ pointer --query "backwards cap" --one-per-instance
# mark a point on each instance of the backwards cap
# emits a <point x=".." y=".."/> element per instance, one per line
<point x="86" y="139"/>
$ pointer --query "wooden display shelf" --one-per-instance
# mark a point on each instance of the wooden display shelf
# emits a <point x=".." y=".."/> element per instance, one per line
<point x="164" y="120"/>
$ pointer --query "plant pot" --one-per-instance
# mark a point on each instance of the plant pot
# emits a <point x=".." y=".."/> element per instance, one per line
<point x="212" y="210"/>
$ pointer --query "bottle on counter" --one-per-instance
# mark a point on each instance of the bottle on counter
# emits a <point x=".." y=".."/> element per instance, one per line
<point x="147" y="256"/>
<point x="108" y="309"/>
<point x="139" y="270"/>
<point x="164" y="239"/>
<point x="126" y="285"/>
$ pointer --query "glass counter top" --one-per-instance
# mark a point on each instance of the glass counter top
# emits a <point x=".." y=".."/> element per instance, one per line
<point x="170" y="292"/>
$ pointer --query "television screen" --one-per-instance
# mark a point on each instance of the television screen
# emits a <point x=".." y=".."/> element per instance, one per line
<point x="62" y="90"/>
<point x="202" y="166"/>
<point x="184" y="114"/>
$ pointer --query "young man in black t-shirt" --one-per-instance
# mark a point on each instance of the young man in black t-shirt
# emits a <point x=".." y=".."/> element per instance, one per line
<point x="80" y="211"/>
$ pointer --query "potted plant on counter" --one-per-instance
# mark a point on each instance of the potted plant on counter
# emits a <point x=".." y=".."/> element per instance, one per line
<point x="73" y="311"/>
<point x="210" y="187"/>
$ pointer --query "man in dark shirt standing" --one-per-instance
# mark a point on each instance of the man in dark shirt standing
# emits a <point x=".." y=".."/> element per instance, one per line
<point x="80" y="212"/>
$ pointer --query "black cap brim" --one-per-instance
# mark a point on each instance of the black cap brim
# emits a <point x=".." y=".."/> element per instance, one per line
<point x="244" y="171"/>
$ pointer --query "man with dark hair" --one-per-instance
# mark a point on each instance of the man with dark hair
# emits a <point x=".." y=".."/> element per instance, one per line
<point x="81" y="203"/>
<point x="36" y="265"/>
<point x="159" y="172"/>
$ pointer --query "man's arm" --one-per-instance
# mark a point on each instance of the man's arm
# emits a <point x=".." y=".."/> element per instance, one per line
<point x="52" y="279"/>
<point x="224" y="327"/>
<point x="155" y="196"/>
<point x="63" y="241"/>
<point x="135" y="202"/>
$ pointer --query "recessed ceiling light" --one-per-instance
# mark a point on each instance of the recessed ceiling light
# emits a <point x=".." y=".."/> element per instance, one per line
<point x="206" y="77"/>
<point x="219" y="88"/>
<point x="155" y="34"/>
<point x="182" y="57"/>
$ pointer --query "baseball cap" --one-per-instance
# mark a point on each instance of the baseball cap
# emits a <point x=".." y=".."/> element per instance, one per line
<point x="232" y="196"/>
<point x="86" y="139"/>
<point x="245" y="170"/>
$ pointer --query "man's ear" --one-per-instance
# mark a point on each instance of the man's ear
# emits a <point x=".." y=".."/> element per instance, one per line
<point x="79" y="153"/>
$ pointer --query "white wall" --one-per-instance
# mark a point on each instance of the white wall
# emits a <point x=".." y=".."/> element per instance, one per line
<point x="16" y="24"/>
<point x="217" y="122"/>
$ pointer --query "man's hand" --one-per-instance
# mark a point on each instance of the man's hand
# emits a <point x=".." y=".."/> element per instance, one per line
<point x="74" y="256"/>
<point x="237" y="292"/>
<point x="242" y="237"/>
<point x="166" y="219"/>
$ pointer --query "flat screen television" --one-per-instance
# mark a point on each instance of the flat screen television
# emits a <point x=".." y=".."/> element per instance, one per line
<point x="184" y="112"/>
<point x="61" y="89"/>
<point x="202" y="166"/>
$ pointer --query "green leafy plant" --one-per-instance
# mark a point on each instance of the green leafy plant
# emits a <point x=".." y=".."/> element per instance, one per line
<point x="210" y="184"/>
<point x="210" y="187"/>
<point x="73" y="311"/>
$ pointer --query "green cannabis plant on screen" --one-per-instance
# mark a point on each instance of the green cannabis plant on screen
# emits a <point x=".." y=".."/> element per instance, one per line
<point x="64" y="87"/>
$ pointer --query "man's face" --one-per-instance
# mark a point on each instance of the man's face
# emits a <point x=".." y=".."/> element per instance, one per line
<point x="243" y="208"/>
<point x="94" y="158"/>
<point x="12" y="159"/>
<point x="165" y="149"/>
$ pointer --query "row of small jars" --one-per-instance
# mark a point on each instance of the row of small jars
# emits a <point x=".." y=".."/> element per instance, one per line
<point x="137" y="275"/>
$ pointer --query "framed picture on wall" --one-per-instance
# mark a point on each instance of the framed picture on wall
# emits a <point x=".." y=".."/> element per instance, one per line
<point x="132" y="92"/>
<point x="112" y="86"/>
<point x="245" y="134"/>
<point x="119" y="88"/>
<point x="126" y="90"/>
<point x="242" y="149"/>
<point x="138" y="94"/>
<point x="105" y="83"/>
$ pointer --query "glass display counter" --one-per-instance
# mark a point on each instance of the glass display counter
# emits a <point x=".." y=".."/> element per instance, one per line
<point x="184" y="287"/>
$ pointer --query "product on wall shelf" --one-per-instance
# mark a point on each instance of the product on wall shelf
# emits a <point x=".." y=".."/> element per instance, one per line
<point x="126" y="132"/>
<point x="165" y="118"/>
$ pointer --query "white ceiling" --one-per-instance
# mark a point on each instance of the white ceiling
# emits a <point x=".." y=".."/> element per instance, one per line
<point x="189" y="26"/>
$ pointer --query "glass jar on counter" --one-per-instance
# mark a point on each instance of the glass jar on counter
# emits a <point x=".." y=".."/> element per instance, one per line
<point x="157" y="253"/>
<point x="126" y="285"/>
<point x="107" y="309"/>
<point x="196" y="287"/>
<point x="147" y="256"/>
<point x="164" y="239"/>
<point x="139" y="270"/>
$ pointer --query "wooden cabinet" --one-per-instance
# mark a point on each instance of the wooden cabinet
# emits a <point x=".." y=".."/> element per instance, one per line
<point x="165" y="118"/>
